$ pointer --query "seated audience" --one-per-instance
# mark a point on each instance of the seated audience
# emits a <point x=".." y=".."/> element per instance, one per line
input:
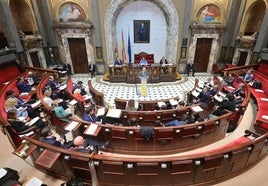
<point x="143" y="62"/>
<point x="249" y="77"/>
<point x="118" y="62"/>
<point x="20" y="126"/>
<point x="228" y="103"/>
<point x="131" y="105"/>
<point x="23" y="86"/>
<point x="47" y="137"/>
<point x="79" y="85"/>
<point x="88" y="145"/>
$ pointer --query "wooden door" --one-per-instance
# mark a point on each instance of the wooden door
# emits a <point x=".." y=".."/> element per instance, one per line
<point x="78" y="52"/>
<point x="242" y="58"/>
<point x="35" y="60"/>
<point x="202" y="52"/>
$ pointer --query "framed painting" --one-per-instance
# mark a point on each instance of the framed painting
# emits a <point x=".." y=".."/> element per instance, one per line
<point x="141" y="31"/>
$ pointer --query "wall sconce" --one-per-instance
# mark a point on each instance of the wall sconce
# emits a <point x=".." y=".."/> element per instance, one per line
<point x="41" y="149"/>
<point x="178" y="131"/>
<point x="96" y="163"/>
<point x="130" y="165"/>
<point x="125" y="116"/>
<point x="130" y="132"/>
<point x="163" y="165"/>
<point x="107" y="130"/>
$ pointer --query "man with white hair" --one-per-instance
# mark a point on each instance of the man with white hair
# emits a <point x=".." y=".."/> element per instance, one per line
<point x="88" y="145"/>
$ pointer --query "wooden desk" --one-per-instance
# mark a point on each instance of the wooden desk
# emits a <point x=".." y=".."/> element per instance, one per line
<point x="47" y="158"/>
<point x="93" y="129"/>
<point x="130" y="74"/>
<point x="24" y="150"/>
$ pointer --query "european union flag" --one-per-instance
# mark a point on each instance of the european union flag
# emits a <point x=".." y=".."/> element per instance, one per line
<point x="129" y="49"/>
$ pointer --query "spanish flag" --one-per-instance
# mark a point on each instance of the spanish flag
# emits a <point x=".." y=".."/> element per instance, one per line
<point x="116" y="50"/>
<point x="124" y="58"/>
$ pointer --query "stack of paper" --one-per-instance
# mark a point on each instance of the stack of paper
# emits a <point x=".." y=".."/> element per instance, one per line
<point x="101" y="111"/>
<point x="114" y="113"/>
<point x="33" y="120"/>
<point x="161" y="104"/>
<point x="91" y="129"/>
<point x="197" y="108"/>
<point x="173" y="102"/>
<point x="34" y="182"/>
<point x="72" y="125"/>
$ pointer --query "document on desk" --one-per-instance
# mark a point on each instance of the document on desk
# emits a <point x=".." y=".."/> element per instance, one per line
<point x="91" y="129"/>
<point x="264" y="99"/>
<point x="62" y="87"/>
<point x="173" y="102"/>
<point x="34" y="120"/>
<point x="197" y="108"/>
<point x="73" y="102"/>
<point x="34" y="182"/>
<point x="114" y="113"/>
<point x="72" y="125"/>
<point x="101" y="111"/>
<point x="265" y="116"/>
<point x="259" y="90"/>
<point x="36" y="104"/>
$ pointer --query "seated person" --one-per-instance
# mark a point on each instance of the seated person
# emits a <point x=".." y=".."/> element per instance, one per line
<point x="249" y="77"/>
<point x="118" y="62"/>
<point x="79" y="85"/>
<point x="131" y="105"/>
<point x="32" y="79"/>
<point x="77" y="95"/>
<point x="163" y="61"/>
<point x="143" y="62"/>
<point x="55" y="87"/>
<point x="88" y="145"/>
<point x="20" y="126"/>
<point x="47" y="137"/>
<point x="61" y="114"/>
<point x="23" y="86"/>
<point x="10" y="177"/>
<point x="181" y="105"/>
<point x="204" y="98"/>
<point x="228" y="80"/>
<point x="184" y="120"/>
<point x="228" y="104"/>
<point x="90" y="115"/>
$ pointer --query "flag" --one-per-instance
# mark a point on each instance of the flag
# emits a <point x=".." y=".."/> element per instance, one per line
<point x="124" y="58"/>
<point x="129" y="49"/>
<point x="116" y="50"/>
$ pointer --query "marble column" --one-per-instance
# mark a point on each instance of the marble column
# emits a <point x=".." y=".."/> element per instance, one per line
<point x="39" y="21"/>
<point x="9" y="27"/>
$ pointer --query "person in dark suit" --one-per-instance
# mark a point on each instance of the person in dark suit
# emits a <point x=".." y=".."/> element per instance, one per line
<point x="163" y="61"/>
<point x="118" y="62"/>
<point x="67" y="68"/>
<point x="10" y="177"/>
<point x="90" y="115"/>
<point x="88" y="145"/>
<point x="92" y="69"/>
<point x="23" y="86"/>
<point x="190" y="68"/>
<point x="47" y="137"/>
<point x="229" y="104"/>
<point x="142" y="32"/>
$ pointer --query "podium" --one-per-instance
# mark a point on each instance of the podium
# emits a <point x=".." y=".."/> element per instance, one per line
<point x="144" y="89"/>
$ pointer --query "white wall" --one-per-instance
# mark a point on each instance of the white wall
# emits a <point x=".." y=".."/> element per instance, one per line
<point x="142" y="10"/>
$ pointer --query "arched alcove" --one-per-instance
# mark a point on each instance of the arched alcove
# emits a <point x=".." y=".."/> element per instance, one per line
<point x="254" y="17"/>
<point x="19" y="10"/>
<point x="171" y="16"/>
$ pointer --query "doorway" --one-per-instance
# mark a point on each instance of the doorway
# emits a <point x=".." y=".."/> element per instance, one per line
<point x="242" y="59"/>
<point x="35" y="59"/>
<point x="202" y="53"/>
<point x="78" y="53"/>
